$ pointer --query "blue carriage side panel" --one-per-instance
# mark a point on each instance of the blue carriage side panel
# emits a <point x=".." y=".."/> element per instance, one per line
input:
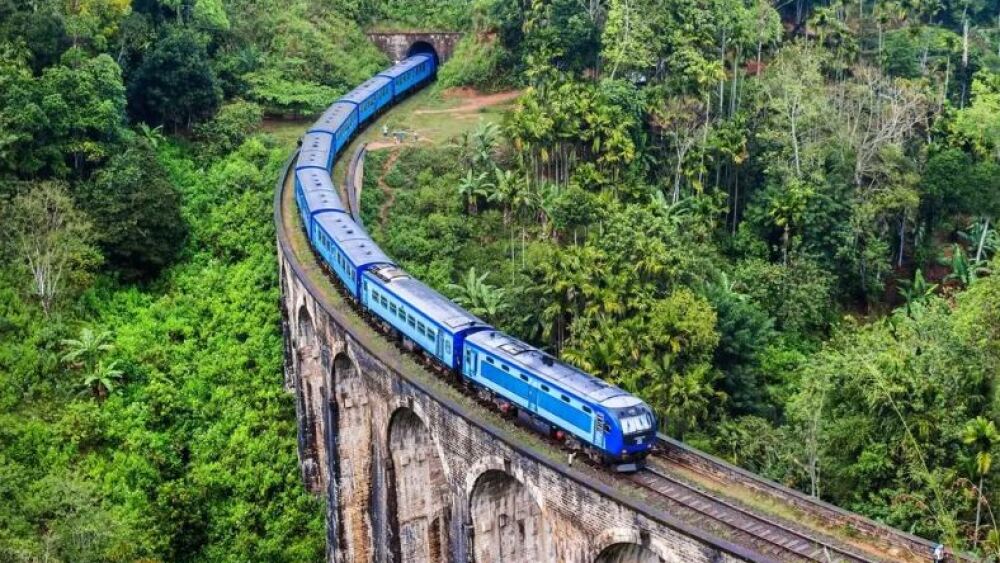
<point x="418" y="312"/>
<point x="407" y="73"/>
<point x="332" y="233"/>
<point x="340" y="121"/>
<point x="370" y="97"/>
<point x="314" y="194"/>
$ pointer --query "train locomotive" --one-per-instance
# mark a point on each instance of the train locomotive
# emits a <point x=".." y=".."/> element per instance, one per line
<point x="609" y="424"/>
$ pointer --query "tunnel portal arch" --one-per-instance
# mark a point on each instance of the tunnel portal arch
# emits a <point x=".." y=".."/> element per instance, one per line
<point x="423" y="48"/>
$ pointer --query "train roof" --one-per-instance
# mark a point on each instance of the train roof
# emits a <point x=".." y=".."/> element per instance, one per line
<point x="526" y="356"/>
<point x="318" y="190"/>
<point x="332" y="118"/>
<point x="367" y="88"/>
<point x="353" y="241"/>
<point x="404" y="65"/>
<point x="316" y="141"/>
<point x="429" y="302"/>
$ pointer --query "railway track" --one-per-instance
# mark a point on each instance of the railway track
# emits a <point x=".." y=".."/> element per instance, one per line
<point x="768" y="536"/>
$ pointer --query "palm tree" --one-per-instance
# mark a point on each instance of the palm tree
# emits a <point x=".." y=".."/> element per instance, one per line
<point x="102" y="380"/>
<point x="152" y="135"/>
<point x="484" y="142"/>
<point x="982" y="435"/>
<point x="481" y="298"/>
<point x="83" y="352"/>
<point x="471" y="188"/>
<point x="917" y="291"/>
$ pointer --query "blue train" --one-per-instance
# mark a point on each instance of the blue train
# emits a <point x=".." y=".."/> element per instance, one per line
<point x="608" y="423"/>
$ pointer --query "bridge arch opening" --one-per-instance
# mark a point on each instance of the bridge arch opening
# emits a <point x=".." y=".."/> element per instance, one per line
<point x="507" y="523"/>
<point x="308" y="379"/>
<point x="627" y="553"/>
<point x="418" y="492"/>
<point x="423" y="48"/>
<point x="307" y="332"/>
<point x="354" y="456"/>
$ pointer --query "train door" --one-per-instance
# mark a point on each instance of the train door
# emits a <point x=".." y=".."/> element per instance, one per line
<point x="599" y="430"/>
<point x="469" y="365"/>
<point x="439" y="347"/>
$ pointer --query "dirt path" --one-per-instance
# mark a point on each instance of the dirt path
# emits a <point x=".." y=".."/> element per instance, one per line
<point x="390" y="194"/>
<point x="473" y="101"/>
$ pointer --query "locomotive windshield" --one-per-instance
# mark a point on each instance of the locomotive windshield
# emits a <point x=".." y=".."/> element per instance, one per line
<point x="638" y="423"/>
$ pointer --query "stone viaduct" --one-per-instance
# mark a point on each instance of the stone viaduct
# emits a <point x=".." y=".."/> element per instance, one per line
<point x="412" y="470"/>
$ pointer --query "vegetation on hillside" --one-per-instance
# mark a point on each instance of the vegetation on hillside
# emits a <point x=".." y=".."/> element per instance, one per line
<point x="777" y="226"/>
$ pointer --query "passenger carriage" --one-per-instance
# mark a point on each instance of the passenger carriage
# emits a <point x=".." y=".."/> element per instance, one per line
<point x="317" y="151"/>
<point x="408" y="73"/>
<point x="315" y="194"/>
<point x="339" y="122"/>
<point x="346" y="248"/>
<point x="370" y="97"/>
<point x="422" y="315"/>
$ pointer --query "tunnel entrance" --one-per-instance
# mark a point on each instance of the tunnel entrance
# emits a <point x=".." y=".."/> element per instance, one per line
<point x="423" y="48"/>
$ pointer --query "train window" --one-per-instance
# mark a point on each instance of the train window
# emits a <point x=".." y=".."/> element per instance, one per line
<point x="524" y="377"/>
<point x="607" y="428"/>
<point x="505" y="368"/>
<point x="564" y="397"/>
<point x="545" y="388"/>
<point x="411" y="321"/>
<point x="489" y="360"/>
<point x="392" y="308"/>
<point x="586" y="409"/>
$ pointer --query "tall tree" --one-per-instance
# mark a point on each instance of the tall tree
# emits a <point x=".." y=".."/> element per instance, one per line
<point x="51" y="241"/>
<point x="175" y="84"/>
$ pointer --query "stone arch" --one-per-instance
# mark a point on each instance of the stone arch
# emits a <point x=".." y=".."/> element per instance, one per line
<point x="306" y="330"/>
<point x="309" y="407"/>
<point x="353" y="440"/>
<point x="418" y="491"/>
<point x="507" y="522"/>
<point x="627" y="553"/>
<point x="630" y="545"/>
<point x="421" y="47"/>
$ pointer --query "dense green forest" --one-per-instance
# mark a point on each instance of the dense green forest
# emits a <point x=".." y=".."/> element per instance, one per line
<point x="774" y="221"/>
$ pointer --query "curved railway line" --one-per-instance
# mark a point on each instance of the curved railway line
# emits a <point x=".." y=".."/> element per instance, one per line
<point x="732" y="503"/>
<point x="767" y="535"/>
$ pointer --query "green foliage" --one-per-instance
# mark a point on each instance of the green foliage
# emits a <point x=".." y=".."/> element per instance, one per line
<point x="68" y="119"/>
<point x="175" y="84"/>
<point x="476" y="62"/>
<point x="136" y="212"/>
<point x="796" y="295"/>
<point x="48" y="243"/>
<point x="234" y="123"/>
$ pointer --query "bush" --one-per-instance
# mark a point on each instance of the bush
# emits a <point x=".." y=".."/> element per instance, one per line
<point x="475" y="62"/>
<point x="230" y="127"/>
